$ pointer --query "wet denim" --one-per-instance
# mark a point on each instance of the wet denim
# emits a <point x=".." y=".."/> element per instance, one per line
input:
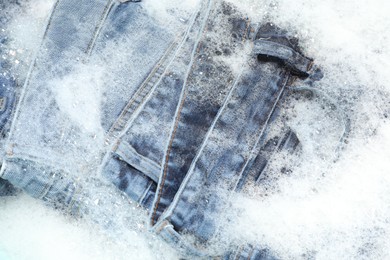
<point x="180" y="121"/>
<point x="7" y="96"/>
<point x="77" y="31"/>
<point x="230" y="135"/>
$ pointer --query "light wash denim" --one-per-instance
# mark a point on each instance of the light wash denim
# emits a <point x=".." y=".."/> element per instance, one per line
<point x="179" y="120"/>
<point x="7" y="93"/>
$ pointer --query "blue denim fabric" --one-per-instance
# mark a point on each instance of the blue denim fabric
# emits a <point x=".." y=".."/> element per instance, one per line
<point x="249" y="252"/>
<point x="33" y="148"/>
<point x="179" y="123"/>
<point x="78" y="31"/>
<point x="7" y="96"/>
<point x="230" y="137"/>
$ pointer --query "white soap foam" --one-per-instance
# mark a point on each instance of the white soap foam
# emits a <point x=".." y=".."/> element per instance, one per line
<point x="323" y="209"/>
<point x="29" y="230"/>
<point x="79" y="95"/>
<point x="343" y="215"/>
<point x="326" y="209"/>
<point x="169" y="10"/>
<point x="26" y="39"/>
<point x="33" y="13"/>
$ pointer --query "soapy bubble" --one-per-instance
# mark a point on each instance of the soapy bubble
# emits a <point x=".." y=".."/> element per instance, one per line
<point x="324" y="208"/>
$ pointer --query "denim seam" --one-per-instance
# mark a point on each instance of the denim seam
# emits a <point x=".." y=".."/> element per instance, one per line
<point x="168" y="58"/>
<point x="48" y="23"/>
<point x="168" y="210"/>
<point x="30" y="156"/>
<point x="115" y="132"/>
<point x="183" y="185"/>
<point x="254" y="148"/>
<point x="178" y="115"/>
<point x="173" y="205"/>
<point x="9" y="146"/>
<point x="193" y="163"/>
<point x="99" y="26"/>
<point x="119" y="131"/>
<point x="142" y="94"/>
<point x="141" y="199"/>
<point x="72" y="199"/>
<point x="18" y="101"/>
<point x="129" y="151"/>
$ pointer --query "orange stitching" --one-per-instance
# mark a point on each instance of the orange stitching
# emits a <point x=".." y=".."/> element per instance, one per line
<point x="99" y="26"/>
<point x="167" y="159"/>
<point x="246" y="30"/>
<point x="284" y="86"/>
<point x="139" y="92"/>
<point x="163" y="178"/>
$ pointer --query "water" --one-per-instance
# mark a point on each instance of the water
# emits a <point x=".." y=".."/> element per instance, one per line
<point x="324" y="209"/>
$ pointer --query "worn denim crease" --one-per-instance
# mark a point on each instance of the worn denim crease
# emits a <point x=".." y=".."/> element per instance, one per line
<point x="178" y="122"/>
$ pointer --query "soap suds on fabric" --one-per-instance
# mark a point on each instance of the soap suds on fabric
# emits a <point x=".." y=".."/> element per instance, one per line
<point x="79" y="95"/>
<point x="30" y="230"/>
<point x="328" y="208"/>
<point x="324" y="209"/>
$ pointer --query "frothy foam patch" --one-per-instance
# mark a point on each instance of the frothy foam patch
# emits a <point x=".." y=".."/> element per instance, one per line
<point x="33" y="13"/>
<point x="25" y="39"/>
<point x="168" y="11"/>
<point x="323" y="209"/>
<point x="79" y="96"/>
<point x="327" y="209"/>
<point x="340" y="216"/>
<point x="29" y="230"/>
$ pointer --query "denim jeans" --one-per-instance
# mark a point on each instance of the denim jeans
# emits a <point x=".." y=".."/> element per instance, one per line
<point x="7" y="96"/>
<point x="178" y="121"/>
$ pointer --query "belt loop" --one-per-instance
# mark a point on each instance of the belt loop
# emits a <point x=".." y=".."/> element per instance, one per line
<point x="280" y="52"/>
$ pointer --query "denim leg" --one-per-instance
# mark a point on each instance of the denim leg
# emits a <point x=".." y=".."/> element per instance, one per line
<point x="206" y="87"/>
<point x="231" y="143"/>
<point x="36" y="145"/>
<point x="134" y="49"/>
<point x="228" y="148"/>
<point x="142" y="129"/>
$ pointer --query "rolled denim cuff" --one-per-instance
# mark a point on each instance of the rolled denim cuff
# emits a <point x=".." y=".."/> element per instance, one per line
<point x="42" y="182"/>
<point x="291" y="58"/>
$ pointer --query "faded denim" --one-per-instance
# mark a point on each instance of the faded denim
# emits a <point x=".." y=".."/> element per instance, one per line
<point x="179" y="121"/>
<point x="7" y="97"/>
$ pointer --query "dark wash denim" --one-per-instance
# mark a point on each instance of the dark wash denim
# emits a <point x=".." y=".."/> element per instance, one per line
<point x="179" y="122"/>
